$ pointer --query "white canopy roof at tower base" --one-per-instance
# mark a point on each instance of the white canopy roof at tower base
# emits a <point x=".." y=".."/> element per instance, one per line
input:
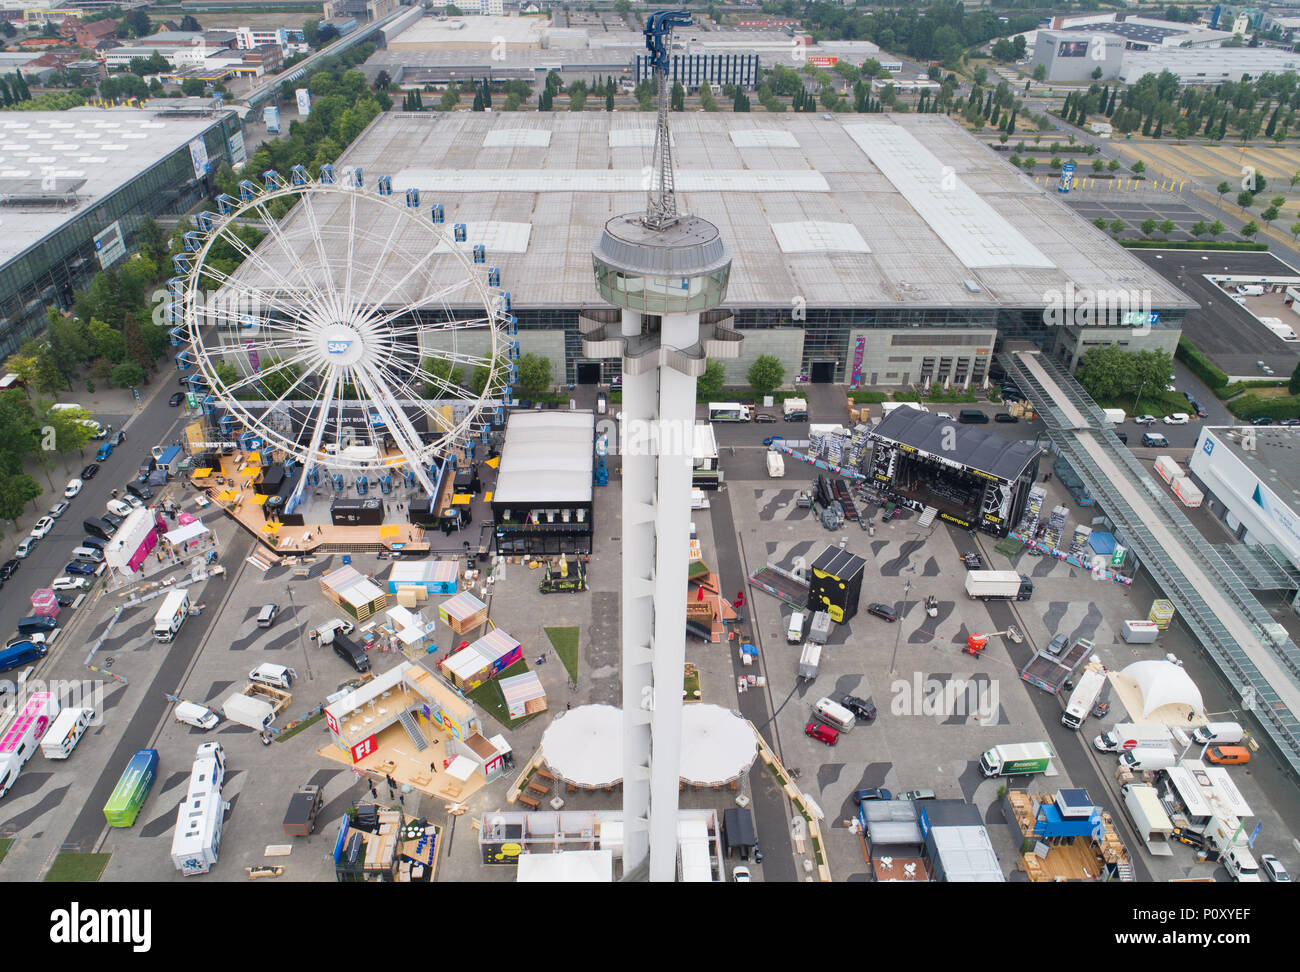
<point x="584" y="746"/>
<point x="871" y="211"/>
<point x="1163" y="683"/>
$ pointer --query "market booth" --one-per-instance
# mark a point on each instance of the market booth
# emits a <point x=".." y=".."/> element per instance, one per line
<point x="353" y="592"/>
<point x="473" y="665"/>
<point x="406" y="724"/>
<point x="462" y="613"/>
<point x="432" y="577"/>
<point x="524" y="695"/>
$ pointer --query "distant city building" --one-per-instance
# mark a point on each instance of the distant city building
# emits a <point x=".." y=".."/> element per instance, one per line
<point x="363" y="11"/>
<point x="693" y="70"/>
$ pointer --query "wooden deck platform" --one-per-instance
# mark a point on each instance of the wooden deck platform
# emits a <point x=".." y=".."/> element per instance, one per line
<point x="1074" y="859"/>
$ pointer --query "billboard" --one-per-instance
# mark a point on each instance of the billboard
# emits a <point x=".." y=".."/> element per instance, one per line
<point x="199" y="156"/>
<point x="109" y="245"/>
<point x="238" y="154"/>
<point x="304" y="101"/>
<point x="822" y="60"/>
<point x="271" y="116"/>
<point x="1067" y="177"/>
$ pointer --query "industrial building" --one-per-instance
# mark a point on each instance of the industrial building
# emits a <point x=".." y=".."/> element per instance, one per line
<point x="1250" y="477"/>
<point x="878" y="250"/>
<point x="544" y="497"/>
<point x="75" y="186"/>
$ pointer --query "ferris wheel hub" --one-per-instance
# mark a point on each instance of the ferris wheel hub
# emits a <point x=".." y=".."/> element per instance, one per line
<point x="342" y="345"/>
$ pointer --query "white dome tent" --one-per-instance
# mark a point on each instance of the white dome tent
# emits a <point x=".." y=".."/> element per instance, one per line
<point x="1162" y="684"/>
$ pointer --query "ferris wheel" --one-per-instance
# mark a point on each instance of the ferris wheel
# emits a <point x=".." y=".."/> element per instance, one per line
<point x="333" y="322"/>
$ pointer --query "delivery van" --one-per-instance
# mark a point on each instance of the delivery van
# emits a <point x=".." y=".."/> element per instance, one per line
<point x="99" y="528"/>
<point x="1143" y="760"/>
<point x="350" y="652"/>
<point x="833" y="714"/>
<point x="65" y="732"/>
<point x="1228" y="755"/>
<point x="36" y="624"/>
<point x="193" y="714"/>
<point x="325" y="633"/>
<point x="90" y="554"/>
<point x="1224" y="733"/>
<point x="1251" y="290"/>
<point x="794" y="634"/>
<point x="20" y="653"/>
<point x="276" y="676"/>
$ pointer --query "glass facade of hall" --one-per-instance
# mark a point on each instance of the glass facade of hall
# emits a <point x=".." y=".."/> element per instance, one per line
<point x="828" y="331"/>
<point x="47" y="274"/>
<point x="692" y="70"/>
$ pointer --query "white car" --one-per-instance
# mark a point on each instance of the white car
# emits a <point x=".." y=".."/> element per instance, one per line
<point x="134" y="500"/>
<point x="58" y="509"/>
<point x="73" y="488"/>
<point x="66" y="583"/>
<point x="1172" y="387"/>
<point x="740" y="875"/>
<point x="1145" y="420"/>
<point x="1178" y="418"/>
<point x="43" y="526"/>
<point x="118" y="508"/>
<point x="24" y="547"/>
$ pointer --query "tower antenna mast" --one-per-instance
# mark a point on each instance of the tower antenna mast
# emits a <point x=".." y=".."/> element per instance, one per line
<point x="661" y="200"/>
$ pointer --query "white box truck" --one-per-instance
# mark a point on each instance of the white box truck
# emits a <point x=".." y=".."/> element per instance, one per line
<point x="1083" y="698"/>
<point x="1188" y="493"/>
<point x="65" y="732"/>
<point x="254" y="713"/>
<point x="809" y="659"/>
<point x="1132" y="735"/>
<point x="22" y="736"/>
<point x="1152" y="824"/>
<point x="1146" y="759"/>
<point x="1139" y="632"/>
<point x="775" y="464"/>
<point x="197" y="838"/>
<point x="1115" y="416"/>
<point x="729" y="412"/>
<point x="171" y="616"/>
<point x="795" y="410"/>
<point x="1016" y="759"/>
<point x="998" y="585"/>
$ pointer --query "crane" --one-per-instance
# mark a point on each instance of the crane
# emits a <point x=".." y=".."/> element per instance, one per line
<point x="976" y="643"/>
<point x="661" y="200"/>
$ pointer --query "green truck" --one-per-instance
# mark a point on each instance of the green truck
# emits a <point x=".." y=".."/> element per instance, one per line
<point x="1016" y="759"/>
<point x="128" y="796"/>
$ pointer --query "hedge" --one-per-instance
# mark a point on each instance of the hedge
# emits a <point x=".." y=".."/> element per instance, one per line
<point x="1200" y="365"/>
<point x="868" y="397"/>
<point x="1252" y="407"/>
<point x="1237" y="387"/>
<point x="1191" y="245"/>
<point x="955" y="397"/>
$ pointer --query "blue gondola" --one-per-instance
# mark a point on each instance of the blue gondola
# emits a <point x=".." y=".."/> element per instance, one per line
<point x="385" y="184"/>
<point x="226" y="204"/>
<point x="460" y="232"/>
<point x="327" y="174"/>
<point x="480" y="253"/>
<point x="362" y="486"/>
<point x="248" y="190"/>
<point x="385" y="483"/>
<point x="413" y="198"/>
<point x="435" y="212"/>
<point x="299" y="176"/>
<point x="494" y="277"/>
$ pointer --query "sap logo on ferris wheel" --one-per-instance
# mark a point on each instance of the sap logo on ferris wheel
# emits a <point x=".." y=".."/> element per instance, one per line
<point x="337" y="347"/>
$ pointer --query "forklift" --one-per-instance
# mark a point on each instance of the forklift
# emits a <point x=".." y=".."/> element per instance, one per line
<point x="561" y="579"/>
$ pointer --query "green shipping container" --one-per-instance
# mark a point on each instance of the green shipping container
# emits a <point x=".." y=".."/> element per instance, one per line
<point x="128" y="796"/>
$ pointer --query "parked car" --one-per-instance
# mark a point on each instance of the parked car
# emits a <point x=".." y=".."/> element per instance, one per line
<point x="73" y="488"/>
<point x="101" y="454"/>
<point x="1290" y="421"/>
<point x="89" y="471"/>
<point x="1177" y="418"/>
<point x="64" y="598"/>
<point x="1145" y="420"/>
<point x="7" y="569"/>
<point x="80" y="567"/>
<point x="42" y="526"/>
<point x="764" y="418"/>
<point x="1271" y="866"/>
<point x="741" y="875"/>
<point x="1154" y="440"/>
<point x="923" y="793"/>
<point x="1262" y="420"/>
<point x="822" y="733"/>
<point x="1005" y="417"/>
<point x="882" y="611"/>
<point x="860" y="708"/>
<point x="1057" y="644"/>
<point x="113" y="520"/>
<point x="876" y="793"/>
<point x="176" y="399"/>
<point x="58" y="509"/>
<point x="25" y="546"/>
<point x="66" y="583"/>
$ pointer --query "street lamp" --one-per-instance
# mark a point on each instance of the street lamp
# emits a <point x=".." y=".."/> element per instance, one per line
<point x="907" y="589"/>
<point x="288" y="589"/>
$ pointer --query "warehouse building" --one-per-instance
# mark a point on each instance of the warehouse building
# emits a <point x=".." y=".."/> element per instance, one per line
<point x="75" y="186"/>
<point x="544" y="496"/>
<point x="868" y="250"/>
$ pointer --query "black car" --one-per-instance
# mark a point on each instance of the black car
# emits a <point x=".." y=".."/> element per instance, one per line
<point x="1262" y="420"/>
<point x="176" y="399"/>
<point x="875" y="793"/>
<point x="882" y="611"/>
<point x="861" y="708"/>
<point x="763" y="417"/>
<point x="65" y="598"/>
<point x="89" y="471"/>
<point x="8" y="567"/>
<point x="113" y="520"/>
<point x="1005" y="417"/>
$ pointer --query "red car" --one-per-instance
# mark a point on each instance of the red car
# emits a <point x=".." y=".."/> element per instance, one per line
<point x="822" y="733"/>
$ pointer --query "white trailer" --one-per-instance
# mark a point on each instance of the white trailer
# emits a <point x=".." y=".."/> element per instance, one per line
<point x="1132" y="735"/>
<point x="65" y="732"/>
<point x="23" y="735"/>
<point x="775" y="464"/>
<point x="1152" y="824"/>
<point x="1187" y="492"/>
<point x="887" y="408"/>
<point x="1139" y="632"/>
<point x="1167" y="469"/>
<point x="1115" y="416"/>
<point x="1083" y="698"/>
<point x="197" y="839"/>
<point x="254" y="713"/>
<point x="809" y="659"/>
<point x="171" y="616"/>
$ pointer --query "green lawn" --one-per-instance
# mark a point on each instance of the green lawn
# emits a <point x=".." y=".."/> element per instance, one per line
<point x="692" y="685"/>
<point x="5" y="844"/>
<point x="489" y="698"/>
<point x="565" y="643"/>
<point x="305" y="724"/>
<point x="69" y="867"/>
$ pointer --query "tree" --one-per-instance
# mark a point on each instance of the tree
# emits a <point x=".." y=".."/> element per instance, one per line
<point x="1139" y="167"/>
<point x="192" y="88"/>
<point x="609" y="101"/>
<point x="1270" y="214"/>
<point x="765" y="374"/>
<point x="1295" y="230"/>
<point x="1096" y="73"/>
<point x="1167" y="226"/>
<point x="451" y="97"/>
<point x="1250" y="229"/>
<point x="1107" y="372"/>
<point x="677" y="99"/>
<point x="60" y="431"/>
<point x="188" y="23"/>
<point x="1245" y="199"/>
<point x="1199" y="228"/>
<point x="1117" y="226"/>
<point x="1040" y="72"/>
<point x="709" y="385"/>
<point x="1112" y="165"/>
<point x="1100" y="223"/>
<point x="707" y="101"/>
<point x="1216" y="229"/>
<point x="127" y="375"/>
<point x="135" y="24"/>
<point x="1293" y="386"/>
<point x="16" y="490"/>
<point x="1223" y="188"/>
<point x="534" y="375"/>
<point x="69" y="344"/>
<point x="1148" y="226"/>
<point x="621" y="7"/>
<point x="108" y="342"/>
<point x="1098" y="165"/>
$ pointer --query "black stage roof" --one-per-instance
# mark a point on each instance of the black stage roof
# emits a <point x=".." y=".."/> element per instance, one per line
<point x="948" y="441"/>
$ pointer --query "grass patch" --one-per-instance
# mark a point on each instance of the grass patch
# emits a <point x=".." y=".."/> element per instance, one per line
<point x="691" y="683"/>
<point x="72" y="867"/>
<point x="955" y="396"/>
<point x="488" y="697"/>
<point x="305" y="724"/>
<point x="868" y="397"/>
<point x="5" y="844"/>
<point x="565" y="643"/>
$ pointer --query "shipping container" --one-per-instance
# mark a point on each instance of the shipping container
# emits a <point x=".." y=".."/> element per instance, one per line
<point x="132" y="789"/>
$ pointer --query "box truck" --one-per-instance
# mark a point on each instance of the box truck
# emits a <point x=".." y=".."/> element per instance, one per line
<point x="1146" y="759"/>
<point x="1083" y="698"/>
<point x="170" y="618"/>
<point x="128" y="796"/>
<point x="1115" y="416"/>
<point x="1167" y="469"/>
<point x="795" y="410"/>
<point x="1188" y="493"/>
<point x="1225" y="733"/>
<point x="1131" y="735"/>
<point x="729" y="412"/>
<point x="998" y="585"/>
<point x="23" y="735"/>
<point x="197" y="838"/>
<point x="1016" y="759"/>
<point x="775" y="464"/>
<point x="254" y="713"/>
<point x="65" y="732"/>
<point x="1139" y="632"/>
<point x="300" y="818"/>
<point x="1149" y="818"/>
